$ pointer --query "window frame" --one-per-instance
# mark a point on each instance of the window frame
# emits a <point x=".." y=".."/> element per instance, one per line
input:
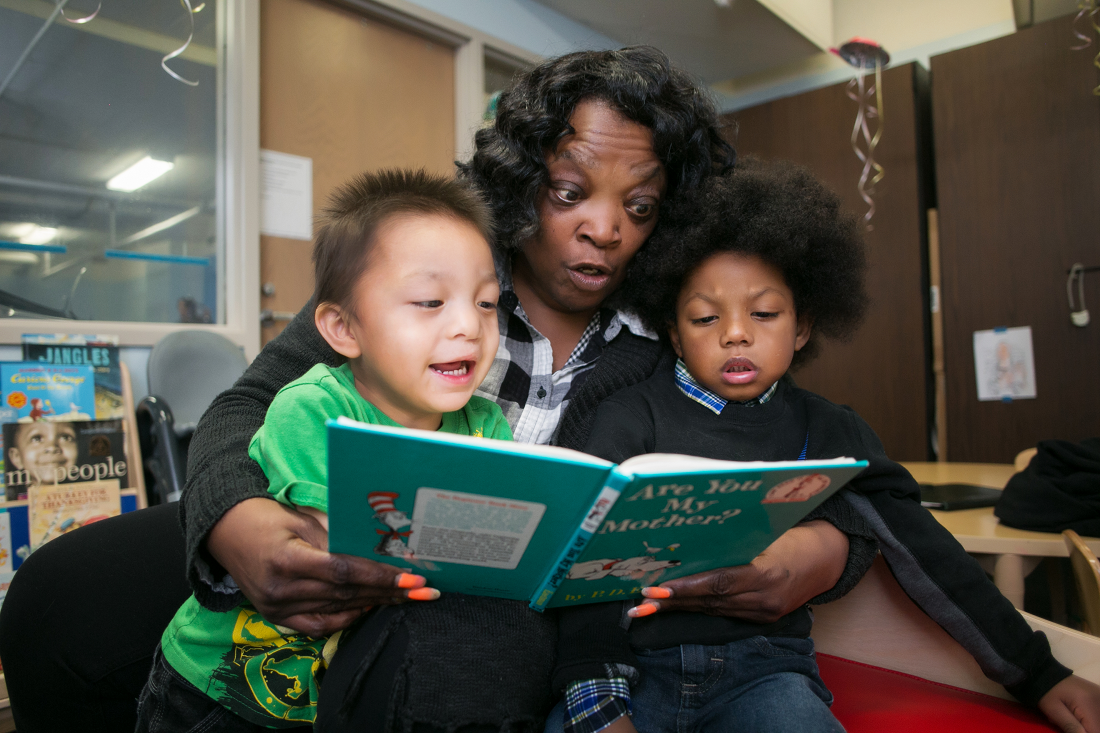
<point x="238" y="177"/>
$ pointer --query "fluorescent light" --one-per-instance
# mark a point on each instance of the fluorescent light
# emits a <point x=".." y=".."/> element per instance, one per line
<point x="38" y="235"/>
<point x="139" y="174"/>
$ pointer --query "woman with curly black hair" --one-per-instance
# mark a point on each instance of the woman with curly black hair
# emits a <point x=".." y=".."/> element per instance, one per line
<point x="742" y="279"/>
<point x="587" y="151"/>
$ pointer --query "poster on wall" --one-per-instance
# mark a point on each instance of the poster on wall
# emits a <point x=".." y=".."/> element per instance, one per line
<point x="1004" y="364"/>
<point x="286" y="207"/>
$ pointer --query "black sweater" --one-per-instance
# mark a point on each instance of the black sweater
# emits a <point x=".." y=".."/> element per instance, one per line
<point x="928" y="562"/>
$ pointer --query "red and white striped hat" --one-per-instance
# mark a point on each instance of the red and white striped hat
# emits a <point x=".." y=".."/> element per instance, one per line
<point x="382" y="501"/>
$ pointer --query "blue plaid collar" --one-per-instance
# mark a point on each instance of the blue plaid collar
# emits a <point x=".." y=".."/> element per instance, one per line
<point x="695" y="391"/>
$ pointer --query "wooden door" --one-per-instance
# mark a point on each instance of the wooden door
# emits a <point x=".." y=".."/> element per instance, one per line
<point x="352" y="94"/>
<point x="1017" y="133"/>
<point x="884" y="372"/>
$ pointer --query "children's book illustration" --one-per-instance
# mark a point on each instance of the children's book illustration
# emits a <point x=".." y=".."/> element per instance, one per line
<point x="57" y="509"/>
<point x="43" y="392"/>
<point x="46" y="453"/>
<point x="632" y="568"/>
<point x="552" y="526"/>
<point x="1004" y="364"/>
<point x="393" y="539"/>
<point x="799" y="488"/>
<point x="98" y="351"/>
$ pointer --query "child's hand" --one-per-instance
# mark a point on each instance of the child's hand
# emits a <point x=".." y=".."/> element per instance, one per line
<point x="804" y="562"/>
<point x="1073" y="705"/>
<point x="279" y="558"/>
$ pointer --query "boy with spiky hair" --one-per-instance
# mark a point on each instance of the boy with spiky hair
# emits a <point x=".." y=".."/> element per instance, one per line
<point x="407" y="293"/>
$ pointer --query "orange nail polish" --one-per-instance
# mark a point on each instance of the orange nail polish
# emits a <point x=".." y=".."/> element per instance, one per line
<point x="408" y="581"/>
<point x="644" y="609"/>
<point x="655" y="592"/>
<point x="423" y="594"/>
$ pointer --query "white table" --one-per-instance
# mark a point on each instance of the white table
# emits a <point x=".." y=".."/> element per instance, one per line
<point x="1009" y="554"/>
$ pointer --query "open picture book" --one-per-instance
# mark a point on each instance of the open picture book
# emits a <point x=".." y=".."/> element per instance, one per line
<point x="550" y="525"/>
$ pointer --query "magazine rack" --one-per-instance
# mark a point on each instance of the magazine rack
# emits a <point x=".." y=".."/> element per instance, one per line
<point x="891" y="667"/>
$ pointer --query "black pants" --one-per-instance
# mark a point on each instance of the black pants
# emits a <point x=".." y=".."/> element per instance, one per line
<point x="83" y="617"/>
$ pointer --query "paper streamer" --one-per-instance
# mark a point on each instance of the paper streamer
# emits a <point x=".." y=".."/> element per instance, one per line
<point x="85" y="19"/>
<point x="865" y="55"/>
<point x="164" y="61"/>
<point x="1087" y="9"/>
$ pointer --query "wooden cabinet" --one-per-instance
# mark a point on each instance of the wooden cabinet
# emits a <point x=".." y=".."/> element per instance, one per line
<point x="884" y="372"/>
<point x="1017" y="153"/>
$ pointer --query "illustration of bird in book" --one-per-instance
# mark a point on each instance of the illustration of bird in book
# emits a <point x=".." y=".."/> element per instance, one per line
<point x="631" y="568"/>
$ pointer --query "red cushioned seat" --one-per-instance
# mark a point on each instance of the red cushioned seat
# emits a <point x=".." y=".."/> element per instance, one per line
<point x="872" y="699"/>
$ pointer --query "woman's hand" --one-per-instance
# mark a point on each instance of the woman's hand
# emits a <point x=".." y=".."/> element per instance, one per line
<point x="804" y="562"/>
<point x="1073" y="705"/>
<point x="279" y="558"/>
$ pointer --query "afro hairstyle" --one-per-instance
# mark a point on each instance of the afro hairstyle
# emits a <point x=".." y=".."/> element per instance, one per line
<point x="776" y="211"/>
<point x="533" y="115"/>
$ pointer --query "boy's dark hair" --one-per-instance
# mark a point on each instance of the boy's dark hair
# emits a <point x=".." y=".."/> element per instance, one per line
<point x="355" y="210"/>
<point x="533" y="115"/>
<point x="776" y="211"/>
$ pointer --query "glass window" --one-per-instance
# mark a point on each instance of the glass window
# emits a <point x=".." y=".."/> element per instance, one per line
<point x="109" y="166"/>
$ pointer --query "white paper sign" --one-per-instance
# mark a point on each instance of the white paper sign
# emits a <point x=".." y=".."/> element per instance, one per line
<point x="286" y="209"/>
<point x="1004" y="364"/>
<point x="469" y="529"/>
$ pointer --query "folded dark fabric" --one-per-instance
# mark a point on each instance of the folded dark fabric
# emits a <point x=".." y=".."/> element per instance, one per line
<point x="1059" y="489"/>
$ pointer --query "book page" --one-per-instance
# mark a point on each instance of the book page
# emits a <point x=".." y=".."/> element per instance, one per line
<point x="469" y="529"/>
<point x="656" y="463"/>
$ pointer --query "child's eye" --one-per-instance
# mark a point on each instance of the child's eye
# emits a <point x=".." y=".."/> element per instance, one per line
<point x="429" y="303"/>
<point x="704" y="320"/>
<point x="765" y="314"/>
<point x="487" y="305"/>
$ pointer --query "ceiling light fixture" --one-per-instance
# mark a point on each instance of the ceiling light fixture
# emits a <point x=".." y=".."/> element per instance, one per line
<point x="140" y="174"/>
<point x="28" y="233"/>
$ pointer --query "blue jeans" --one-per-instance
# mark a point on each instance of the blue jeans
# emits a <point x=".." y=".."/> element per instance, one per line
<point x="756" y="685"/>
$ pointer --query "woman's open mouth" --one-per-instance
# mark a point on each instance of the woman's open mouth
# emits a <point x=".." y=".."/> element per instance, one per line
<point x="589" y="276"/>
<point x="739" y="370"/>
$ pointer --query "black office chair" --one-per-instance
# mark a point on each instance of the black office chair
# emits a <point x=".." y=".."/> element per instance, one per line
<point x="187" y="370"/>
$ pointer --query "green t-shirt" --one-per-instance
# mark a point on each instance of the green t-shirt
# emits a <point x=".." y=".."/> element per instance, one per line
<point x="237" y="658"/>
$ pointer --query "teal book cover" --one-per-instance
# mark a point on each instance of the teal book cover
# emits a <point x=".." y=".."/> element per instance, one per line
<point x="681" y="515"/>
<point x="554" y="526"/>
<point x="472" y="515"/>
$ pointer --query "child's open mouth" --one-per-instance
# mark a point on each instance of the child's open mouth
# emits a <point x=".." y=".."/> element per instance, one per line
<point x="739" y="370"/>
<point x="453" y="370"/>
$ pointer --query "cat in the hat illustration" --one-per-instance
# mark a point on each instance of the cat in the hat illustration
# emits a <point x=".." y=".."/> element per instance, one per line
<point x="393" y="542"/>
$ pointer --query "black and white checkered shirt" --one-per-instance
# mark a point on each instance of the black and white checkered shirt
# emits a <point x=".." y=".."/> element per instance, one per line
<point x="522" y="379"/>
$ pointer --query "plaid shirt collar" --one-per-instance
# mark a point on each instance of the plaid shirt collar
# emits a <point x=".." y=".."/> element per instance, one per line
<point x="522" y="380"/>
<point x="695" y="391"/>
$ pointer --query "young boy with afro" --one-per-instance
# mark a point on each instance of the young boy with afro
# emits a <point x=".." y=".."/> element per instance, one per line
<point x="744" y="279"/>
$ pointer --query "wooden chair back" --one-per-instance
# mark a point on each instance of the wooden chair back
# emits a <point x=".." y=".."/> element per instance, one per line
<point x="1024" y="457"/>
<point x="1086" y="572"/>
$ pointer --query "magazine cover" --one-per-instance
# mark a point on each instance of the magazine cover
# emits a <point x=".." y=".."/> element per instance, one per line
<point x="42" y="392"/>
<point x="6" y="415"/>
<point x="50" y="452"/>
<point x="60" y="508"/>
<point x="95" y="350"/>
